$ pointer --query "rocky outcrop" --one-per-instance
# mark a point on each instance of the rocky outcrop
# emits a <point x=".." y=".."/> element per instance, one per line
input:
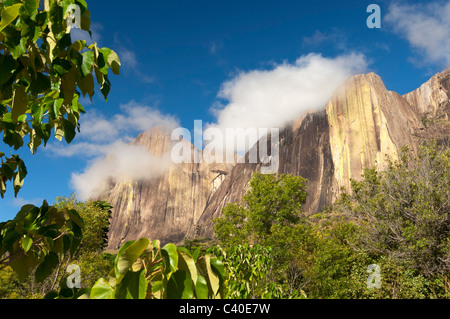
<point x="367" y="122"/>
<point x="432" y="102"/>
<point x="361" y="124"/>
<point x="163" y="207"/>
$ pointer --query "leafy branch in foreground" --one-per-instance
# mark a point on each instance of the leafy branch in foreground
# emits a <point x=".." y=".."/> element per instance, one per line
<point x="144" y="270"/>
<point x="37" y="239"/>
<point x="42" y="76"/>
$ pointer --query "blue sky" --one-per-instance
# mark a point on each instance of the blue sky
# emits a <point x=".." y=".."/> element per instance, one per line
<point x="177" y="55"/>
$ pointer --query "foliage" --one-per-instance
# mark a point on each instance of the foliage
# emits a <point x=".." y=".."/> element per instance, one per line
<point x="42" y="76"/>
<point x="270" y="216"/>
<point x="404" y="210"/>
<point x="144" y="270"/>
<point x="250" y="273"/>
<point x="89" y="255"/>
<point x="37" y="239"/>
<point x="396" y="219"/>
<point x="271" y="202"/>
<point x="96" y="215"/>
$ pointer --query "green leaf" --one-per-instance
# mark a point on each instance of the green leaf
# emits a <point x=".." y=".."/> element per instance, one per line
<point x="187" y="263"/>
<point x="23" y="266"/>
<point x="132" y="286"/>
<point x="218" y="267"/>
<point x="86" y="63"/>
<point x="102" y="290"/>
<point x="180" y="286"/>
<point x="26" y="243"/>
<point x="114" y="62"/>
<point x="20" y="103"/>
<point x="31" y="7"/>
<point x="46" y="268"/>
<point x="103" y="60"/>
<point x="106" y="87"/>
<point x="8" y="66"/>
<point x="213" y="279"/>
<point x="127" y="257"/>
<point x="40" y="84"/>
<point x="69" y="130"/>
<point x="9" y="239"/>
<point x="201" y="288"/>
<point x="76" y="218"/>
<point x="170" y="252"/>
<point x="57" y="103"/>
<point x="68" y="85"/>
<point x="9" y="14"/>
<point x="61" y="66"/>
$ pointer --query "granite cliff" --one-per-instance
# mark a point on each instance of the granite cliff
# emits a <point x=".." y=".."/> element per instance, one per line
<point x="361" y="123"/>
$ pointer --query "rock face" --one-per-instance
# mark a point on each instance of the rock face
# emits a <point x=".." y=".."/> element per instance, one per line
<point x="361" y="123"/>
<point x="164" y="207"/>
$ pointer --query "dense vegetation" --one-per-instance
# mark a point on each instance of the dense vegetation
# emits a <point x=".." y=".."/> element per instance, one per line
<point x="397" y="218"/>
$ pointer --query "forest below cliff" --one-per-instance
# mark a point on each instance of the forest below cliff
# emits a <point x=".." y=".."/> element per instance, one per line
<point x="394" y="221"/>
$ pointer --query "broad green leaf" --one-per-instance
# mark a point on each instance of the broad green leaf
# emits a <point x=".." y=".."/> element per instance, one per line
<point x="103" y="60"/>
<point x="9" y="14"/>
<point x="40" y="84"/>
<point x="201" y="288"/>
<point x="26" y="243"/>
<point x="52" y="294"/>
<point x="86" y="63"/>
<point x="69" y="130"/>
<point x="61" y="66"/>
<point x="46" y="267"/>
<point x="8" y="66"/>
<point x="31" y="7"/>
<point x="20" y="103"/>
<point x="187" y="263"/>
<point x="114" y="62"/>
<point x="180" y="286"/>
<point x="170" y="251"/>
<point x="119" y="254"/>
<point x="132" y="286"/>
<point x="56" y="107"/>
<point x="218" y="267"/>
<point x="131" y="254"/>
<point x="68" y="85"/>
<point x="102" y="290"/>
<point x="17" y="183"/>
<point x="23" y="266"/>
<point x="86" y="20"/>
<point x="76" y="218"/>
<point x="9" y="239"/>
<point x="106" y="87"/>
<point x="213" y="279"/>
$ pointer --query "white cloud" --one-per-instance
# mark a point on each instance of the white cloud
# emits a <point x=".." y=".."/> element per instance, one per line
<point x="273" y="98"/>
<point x="425" y="26"/>
<point x="107" y="142"/>
<point x="98" y="130"/>
<point x="121" y="162"/>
